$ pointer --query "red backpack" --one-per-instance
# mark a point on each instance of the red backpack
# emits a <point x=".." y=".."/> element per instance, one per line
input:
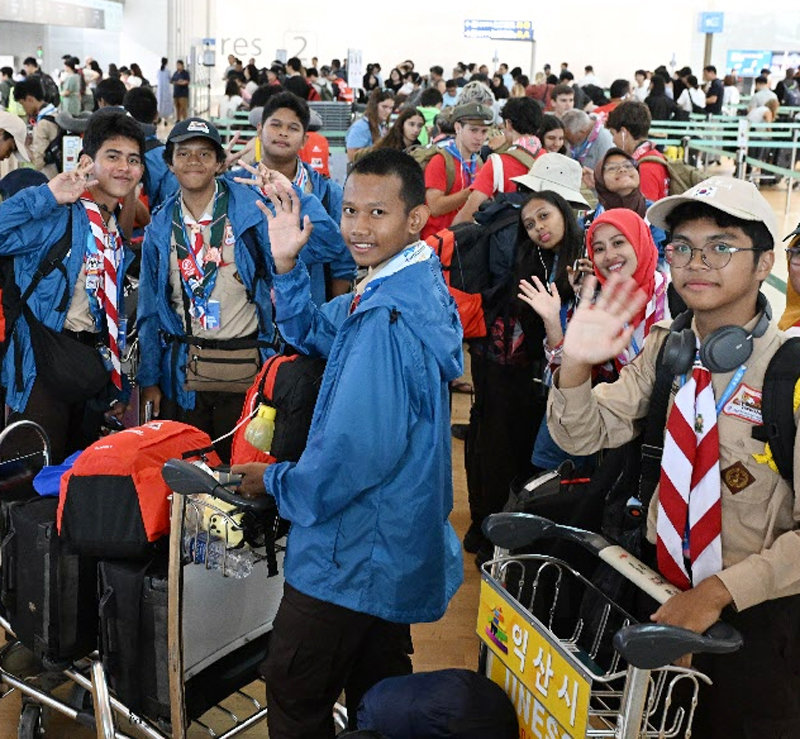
<point x="113" y="502"/>
<point x="290" y="384"/>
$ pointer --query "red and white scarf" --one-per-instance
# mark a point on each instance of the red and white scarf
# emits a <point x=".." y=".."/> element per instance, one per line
<point x="689" y="524"/>
<point x="108" y="244"/>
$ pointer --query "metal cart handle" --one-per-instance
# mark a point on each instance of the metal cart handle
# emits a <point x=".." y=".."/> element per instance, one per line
<point x="650" y="646"/>
<point x="187" y="479"/>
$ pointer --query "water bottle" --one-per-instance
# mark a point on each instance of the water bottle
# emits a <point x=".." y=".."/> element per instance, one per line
<point x="260" y="430"/>
<point x="209" y="550"/>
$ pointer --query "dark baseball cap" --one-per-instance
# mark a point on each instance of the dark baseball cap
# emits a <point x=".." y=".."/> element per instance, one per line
<point x="194" y="128"/>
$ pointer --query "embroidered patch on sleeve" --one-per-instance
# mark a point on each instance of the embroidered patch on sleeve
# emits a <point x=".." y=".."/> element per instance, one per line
<point x="737" y="477"/>
<point x="745" y="404"/>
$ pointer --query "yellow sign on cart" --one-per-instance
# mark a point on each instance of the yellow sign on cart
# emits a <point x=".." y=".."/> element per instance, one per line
<point x="551" y="697"/>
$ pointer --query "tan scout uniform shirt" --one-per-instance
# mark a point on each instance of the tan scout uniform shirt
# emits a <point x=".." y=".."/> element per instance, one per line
<point x="760" y="511"/>
<point x="237" y="315"/>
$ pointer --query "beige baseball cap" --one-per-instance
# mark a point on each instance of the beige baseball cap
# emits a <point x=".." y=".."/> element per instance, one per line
<point x="13" y="124"/>
<point x="557" y="173"/>
<point x="738" y="198"/>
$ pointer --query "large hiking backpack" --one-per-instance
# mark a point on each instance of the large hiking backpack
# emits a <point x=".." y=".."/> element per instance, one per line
<point x="477" y="259"/>
<point x="114" y="502"/>
<point x="791" y="94"/>
<point x="290" y="384"/>
<point x="682" y="176"/>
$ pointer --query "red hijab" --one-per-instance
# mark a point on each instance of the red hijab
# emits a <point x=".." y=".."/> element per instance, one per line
<point x="637" y="232"/>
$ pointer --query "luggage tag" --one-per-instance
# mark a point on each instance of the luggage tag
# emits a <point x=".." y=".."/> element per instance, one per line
<point x="212" y="316"/>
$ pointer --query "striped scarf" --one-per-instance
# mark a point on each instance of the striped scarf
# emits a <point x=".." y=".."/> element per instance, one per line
<point x="689" y="524"/>
<point x="109" y="246"/>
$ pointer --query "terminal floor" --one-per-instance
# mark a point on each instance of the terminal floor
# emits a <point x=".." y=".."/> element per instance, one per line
<point x="451" y="642"/>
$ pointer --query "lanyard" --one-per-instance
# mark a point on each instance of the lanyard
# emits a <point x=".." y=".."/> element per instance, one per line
<point x="198" y="282"/>
<point x="729" y="388"/>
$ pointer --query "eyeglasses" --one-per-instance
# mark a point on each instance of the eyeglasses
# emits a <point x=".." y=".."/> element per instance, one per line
<point x="793" y="255"/>
<point x="623" y="167"/>
<point x="714" y="256"/>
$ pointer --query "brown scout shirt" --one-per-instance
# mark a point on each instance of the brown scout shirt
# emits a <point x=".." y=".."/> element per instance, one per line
<point x="760" y="511"/>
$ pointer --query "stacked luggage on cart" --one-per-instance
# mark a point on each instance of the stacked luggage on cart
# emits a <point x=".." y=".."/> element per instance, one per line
<point x="167" y="599"/>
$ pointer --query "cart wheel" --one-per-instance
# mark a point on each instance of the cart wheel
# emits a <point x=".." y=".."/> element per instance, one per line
<point x="31" y="725"/>
<point x="80" y="698"/>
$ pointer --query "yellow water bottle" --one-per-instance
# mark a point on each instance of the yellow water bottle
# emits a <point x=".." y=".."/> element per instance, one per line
<point x="260" y="430"/>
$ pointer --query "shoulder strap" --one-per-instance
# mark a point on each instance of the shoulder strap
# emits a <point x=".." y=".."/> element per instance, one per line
<point x="653" y="434"/>
<point x="449" y="170"/>
<point x="261" y="273"/>
<point x="53" y="260"/>
<point x="778" y="406"/>
<point x="497" y="172"/>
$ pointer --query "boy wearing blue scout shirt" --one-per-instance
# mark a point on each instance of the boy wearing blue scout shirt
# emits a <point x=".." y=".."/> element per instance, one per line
<point x="205" y="312"/>
<point x="370" y="550"/>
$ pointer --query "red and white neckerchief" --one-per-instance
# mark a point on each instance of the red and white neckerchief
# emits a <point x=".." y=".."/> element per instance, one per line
<point x="196" y="232"/>
<point x="689" y="524"/>
<point x="110" y="246"/>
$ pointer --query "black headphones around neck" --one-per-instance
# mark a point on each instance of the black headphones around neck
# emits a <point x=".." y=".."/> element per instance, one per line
<point x="722" y="351"/>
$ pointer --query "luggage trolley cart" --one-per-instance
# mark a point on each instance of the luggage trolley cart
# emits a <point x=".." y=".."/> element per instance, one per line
<point x="216" y="631"/>
<point x="583" y="668"/>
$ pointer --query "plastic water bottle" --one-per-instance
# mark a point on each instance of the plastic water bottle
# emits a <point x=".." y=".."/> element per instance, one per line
<point x="260" y="430"/>
<point x="209" y="550"/>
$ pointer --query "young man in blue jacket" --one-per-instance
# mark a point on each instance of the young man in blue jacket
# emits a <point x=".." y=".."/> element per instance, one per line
<point x="370" y="550"/>
<point x="82" y="297"/>
<point x="205" y="313"/>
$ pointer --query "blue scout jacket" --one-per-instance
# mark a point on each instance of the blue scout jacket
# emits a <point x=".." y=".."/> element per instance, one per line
<point x="370" y="497"/>
<point x="165" y="364"/>
<point x="30" y="223"/>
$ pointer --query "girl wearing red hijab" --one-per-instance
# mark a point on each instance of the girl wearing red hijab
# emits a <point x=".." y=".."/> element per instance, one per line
<point x="618" y="241"/>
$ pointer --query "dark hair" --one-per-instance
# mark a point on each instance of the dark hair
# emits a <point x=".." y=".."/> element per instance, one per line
<point x="30" y="61"/>
<point x="141" y="103"/>
<point x="569" y="249"/>
<point x="263" y="93"/>
<point x="29" y="86"/>
<point x="179" y="61"/>
<point x="251" y="72"/>
<point x="710" y="68"/>
<point x="566" y="75"/>
<point x="641" y="72"/>
<point x="113" y="71"/>
<point x="110" y="90"/>
<point x="7" y="71"/>
<point x="450" y="83"/>
<point x="231" y="87"/>
<point x="761" y="80"/>
<point x="658" y="86"/>
<point x="756" y="231"/>
<point x="164" y="61"/>
<point x="515" y="72"/>
<point x="561" y="89"/>
<point x="394" y="136"/>
<point x="136" y="70"/>
<point x="691" y="80"/>
<point x="93" y="65"/>
<point x="525" y="115"/>
<point x="436" y="69"/>
<point x="371" y="112"/>
<point x="312" y="72"/>
<point x="619" y="88"/>
<point x="633" y="115"/>
<point x="394" y="163"/>
<point x="430" y="98"/>
<point x="290" y="101"/>
<point x="588" y="68"/>
<point x="729" y="81"/>
<point x="71" y="62"/>
<point x="108" y="124"/>
<point x="294" y="63"/>
<point x="550" y="123"/>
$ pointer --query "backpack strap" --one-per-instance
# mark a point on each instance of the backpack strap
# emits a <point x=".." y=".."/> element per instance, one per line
<point x="653" y="435"/>
<point x="777" y="407"/>
<point x="54" y="259"/>
<point x="261" y="273"/>
<point x="449" y="170"/>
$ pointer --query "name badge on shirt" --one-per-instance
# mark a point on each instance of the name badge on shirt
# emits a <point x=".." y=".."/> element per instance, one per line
<point x="745" y="404"/>
<point x="212" y="316"/>
<point x="229" y="238"/>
